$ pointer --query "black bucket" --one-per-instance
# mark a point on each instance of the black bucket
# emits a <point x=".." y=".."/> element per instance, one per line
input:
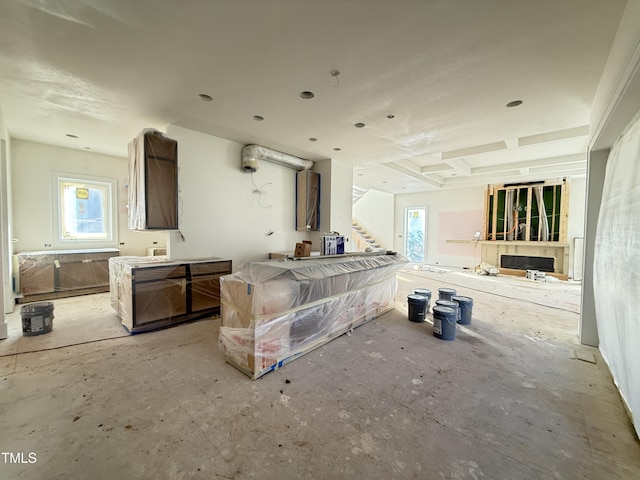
<point x="444" y="323"/>
<point x="417" y="307"/>
<point x="446" y="293"/>
<point x="426" y="293"/>
<point x="465" y="308"/>
<point x="37" y="318"/>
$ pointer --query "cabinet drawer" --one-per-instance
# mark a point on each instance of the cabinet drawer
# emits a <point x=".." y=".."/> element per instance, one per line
<point x="85" y="257"/>
<point x="159" y="273"/>
<point x="208" y="268"/>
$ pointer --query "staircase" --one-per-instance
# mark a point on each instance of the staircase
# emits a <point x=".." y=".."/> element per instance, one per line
<point x="363" y="239"/>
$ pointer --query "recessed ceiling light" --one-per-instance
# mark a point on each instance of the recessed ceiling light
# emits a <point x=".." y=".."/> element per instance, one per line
<point x="205" y="98"/>
<point x="359" y="125"/>
<point x="306" y="95"/>
<point x="71" y="135"/>
<point x="258" y="118"/>
<point x="390" y="117"/>
<point x="337" y="149"/>
<point x="514" y="103"/>
<point x="313" y="139"/>
<point x="87" y="148"/>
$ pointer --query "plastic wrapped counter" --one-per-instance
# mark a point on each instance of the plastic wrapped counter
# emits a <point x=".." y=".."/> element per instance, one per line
<point x="153" y="292"/>
<point x="275" y="311"/>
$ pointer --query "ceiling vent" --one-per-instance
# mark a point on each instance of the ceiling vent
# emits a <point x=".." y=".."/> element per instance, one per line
<point x="252" y="154"/>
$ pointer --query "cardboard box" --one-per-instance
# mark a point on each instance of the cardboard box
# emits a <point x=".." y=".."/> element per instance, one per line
<point x="332" y="245"/>
<point x="302" y="250"/>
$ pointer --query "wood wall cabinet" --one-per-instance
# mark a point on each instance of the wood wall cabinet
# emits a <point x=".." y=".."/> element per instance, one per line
<point x="63" y="273"/>
<point x="307" y="201"/>
<point x="150" y="292"/>
<point x="153" y="182"/>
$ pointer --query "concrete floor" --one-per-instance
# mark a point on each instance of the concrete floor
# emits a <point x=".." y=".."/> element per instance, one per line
<point x="508" y="399"/>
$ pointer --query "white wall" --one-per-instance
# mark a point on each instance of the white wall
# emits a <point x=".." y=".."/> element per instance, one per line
<point x="458" y="213"/>
<point x="32" y="169"/>
<point x="375" y="211"/>
<point x="616" y="247"/>
<point x="220" y="216"/>
<point x="6" y="289"/>
<point x="616" y="269"/>
<point x="575" y="225"/>
<point x="451" y="215"/>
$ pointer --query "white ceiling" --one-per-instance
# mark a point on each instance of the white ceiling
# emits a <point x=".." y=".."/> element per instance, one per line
<point x="445" y="69"/>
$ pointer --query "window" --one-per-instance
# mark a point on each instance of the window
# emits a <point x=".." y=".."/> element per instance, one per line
<point x="415" y="234"/>
<point x="85" y="210"/>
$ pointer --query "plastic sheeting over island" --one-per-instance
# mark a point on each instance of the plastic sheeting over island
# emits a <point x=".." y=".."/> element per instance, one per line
<point x="275" y="311"/>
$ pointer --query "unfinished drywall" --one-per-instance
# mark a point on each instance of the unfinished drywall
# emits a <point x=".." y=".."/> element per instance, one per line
<point x="616" y="270"/>
<point x="225" y="211"/>
<point x="32" y="169"/>
<point x="451" y="215"/>
<point x="374" y="210"/>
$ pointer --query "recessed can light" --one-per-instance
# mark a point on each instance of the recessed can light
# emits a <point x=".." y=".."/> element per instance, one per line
<point x="313" y="139"/>
<point x="205" y="98"/>
<point x="337" y="149"/>
<point x="391" y="116"/>
<point x="87" y="148"/>
<point x="71" y="135"/>
<point x="258" y="118"/>
<point x="358" y="125"/>
<point x="306" y="95"/>
<point x="514" y="103"/>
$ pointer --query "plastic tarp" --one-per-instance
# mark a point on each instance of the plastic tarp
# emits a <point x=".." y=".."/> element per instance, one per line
<point x="153" y="292"/>
<point x="63" y="271"/>
<point x="616" y="270"/>
<point x="275" y="311"/>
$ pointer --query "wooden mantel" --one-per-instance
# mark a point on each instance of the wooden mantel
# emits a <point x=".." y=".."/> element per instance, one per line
<point x="492" y="250"/>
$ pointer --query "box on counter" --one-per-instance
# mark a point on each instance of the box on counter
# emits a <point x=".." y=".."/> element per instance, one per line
<point x="332" y="245"/>
<point x="302" y="250"/>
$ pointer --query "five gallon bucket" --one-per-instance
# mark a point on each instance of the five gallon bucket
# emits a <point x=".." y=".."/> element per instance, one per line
<point x="445" y="293"/>
<point x="37" y="318"/>
<point x="417" y="307"/>
<point x="444" y="323"/>
<point x="465" y="308"/>
<point x="426" y="293"/>
<point x="450" y="304"/>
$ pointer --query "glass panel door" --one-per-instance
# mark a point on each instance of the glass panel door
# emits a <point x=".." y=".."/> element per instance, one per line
<point x="415" y="234"/>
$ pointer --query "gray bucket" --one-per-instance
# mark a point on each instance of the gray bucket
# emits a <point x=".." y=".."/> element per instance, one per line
<point x="446" y="293"/>
<point x="465" y="308"/>
<point x="426" y="293"/>
<point x="444" y="323"/>
<point x="417" y="307"/>
<point x="450" y="304"/>
<point x="37" y="318"/>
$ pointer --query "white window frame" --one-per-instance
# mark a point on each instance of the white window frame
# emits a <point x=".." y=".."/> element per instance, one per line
<point x="110" y="185"/>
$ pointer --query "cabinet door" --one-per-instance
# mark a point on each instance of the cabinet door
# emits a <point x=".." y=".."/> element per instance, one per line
<point x="205" y="292"/>
<point x="307" y="201"/>
<point x="159" y="300"/>
<point x="161" y="182"/>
